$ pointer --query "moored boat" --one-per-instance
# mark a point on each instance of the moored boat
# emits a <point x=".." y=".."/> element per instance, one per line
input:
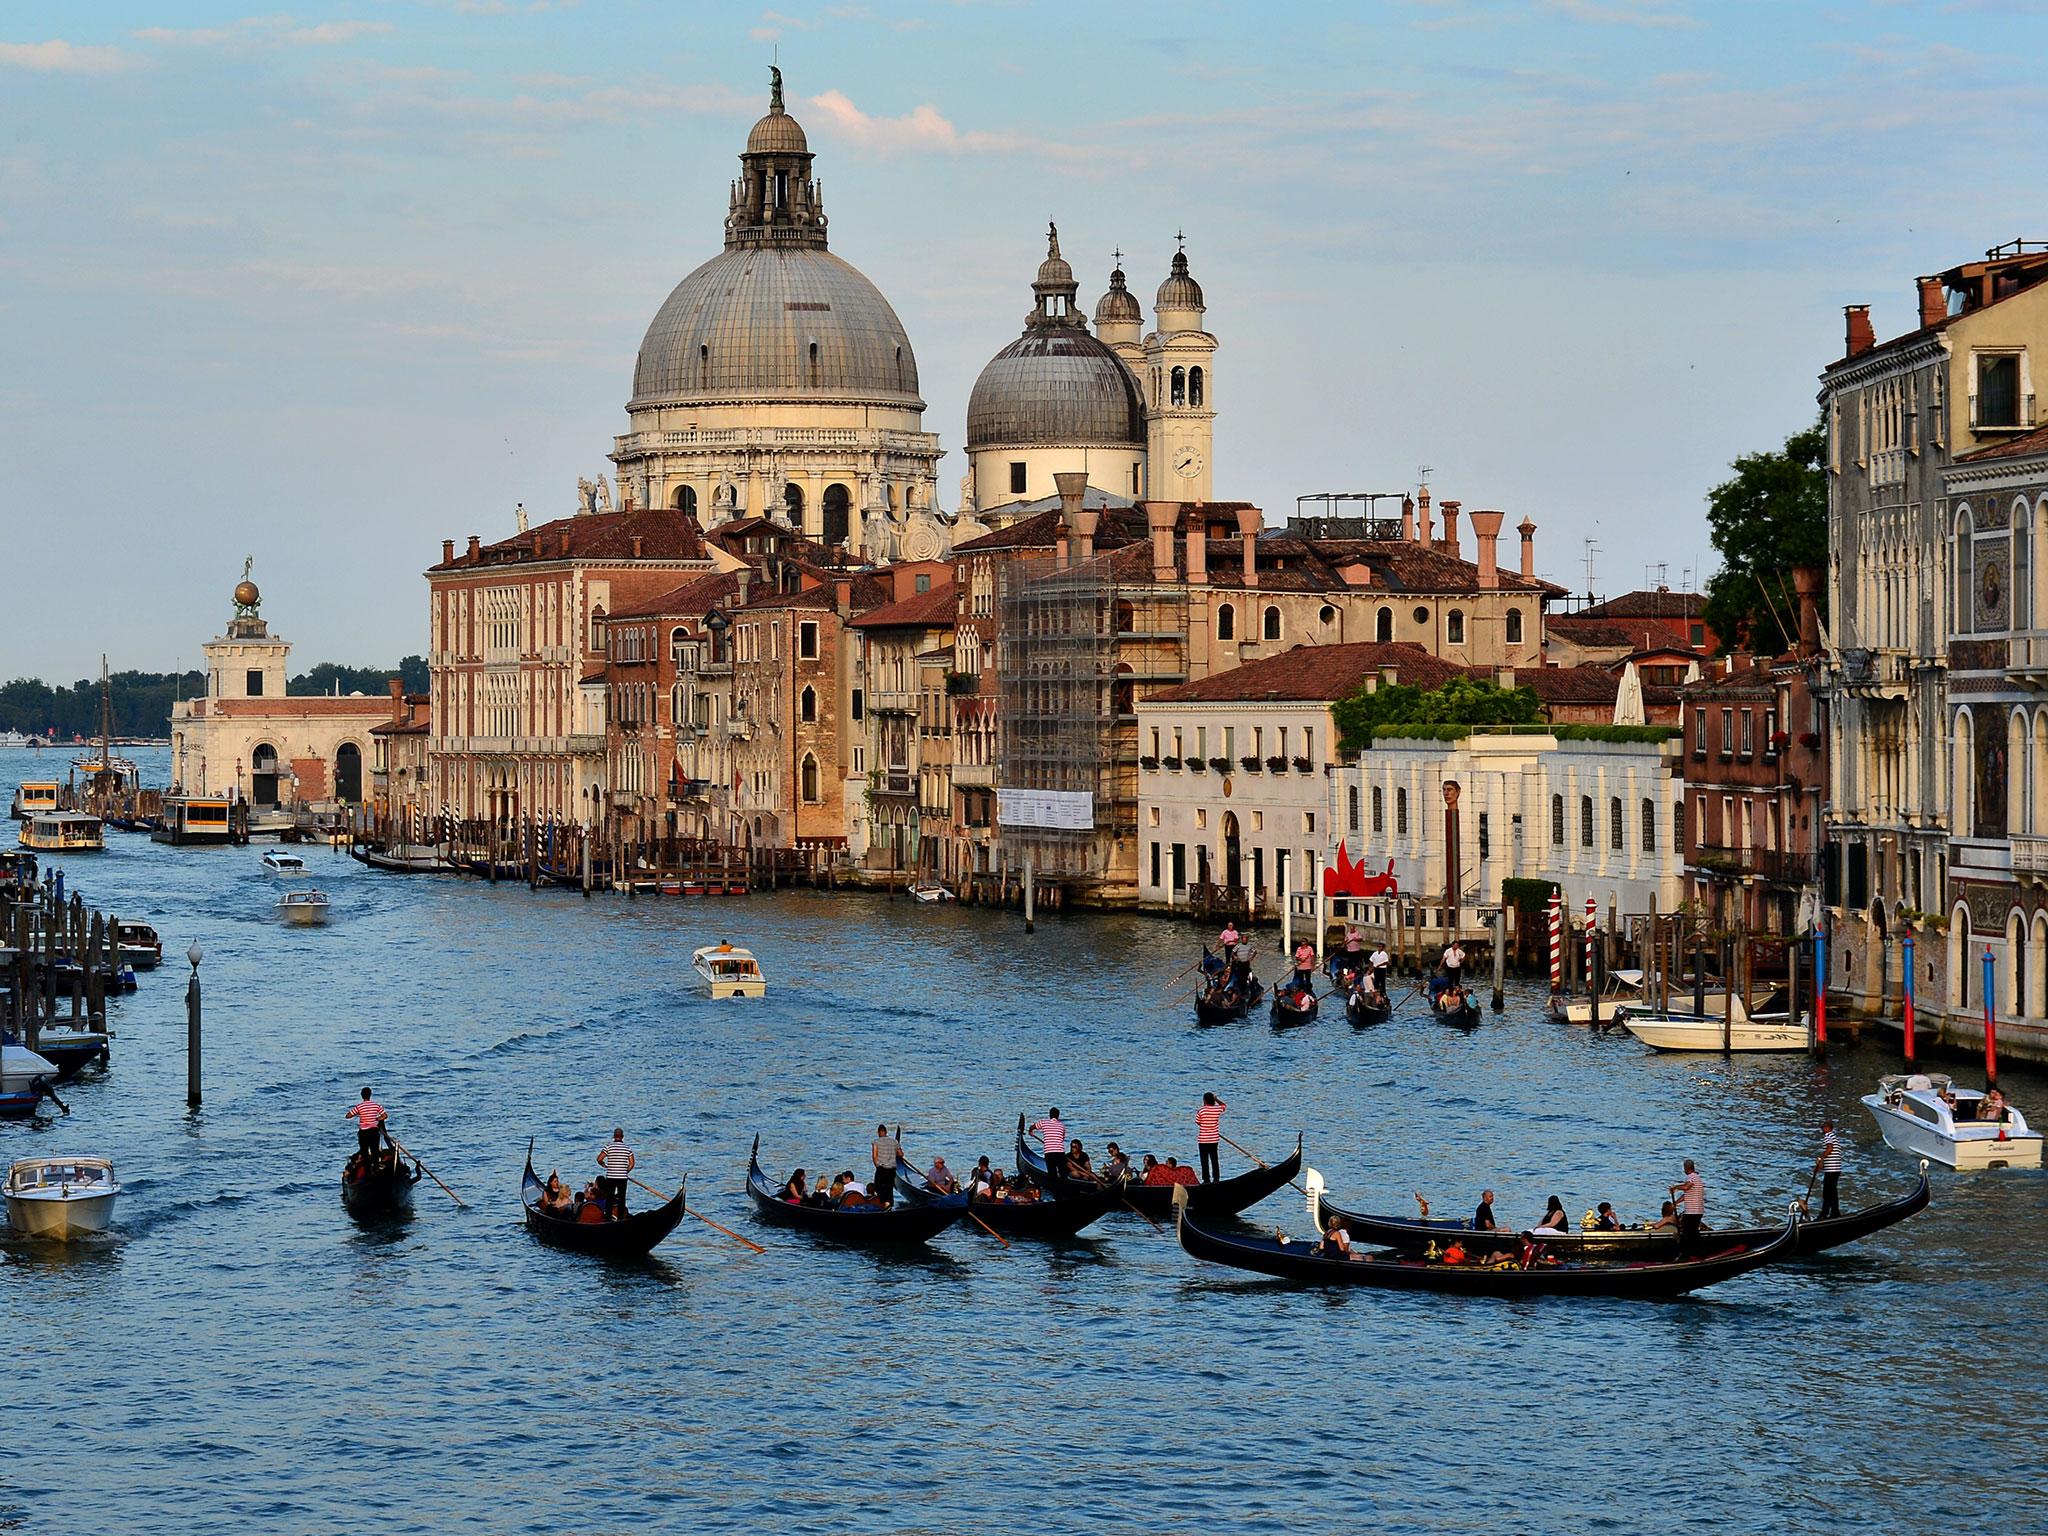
<point x="61" y="1197"/>
<point x="1223" y="1197"/>
<point x="71" y="1044"/>
<point x="404" y="859"/>
<point x="632" y="1236"/>
<point x="25" y="1079"/>
<point x="1927" y="1115"/>
<point x="1536" y="1274"/>
<point x="187" y="819"/>
<point x="1771" y="1028"/>
<point x="930" y="891"/>
<point x="729" y="971"/>
<point x="137" y="944"/>
<point x="909" y="1222"/>
<point x="382" y="1189"/>
<point x="277" y="861"/>
<point x="33" y="797"/>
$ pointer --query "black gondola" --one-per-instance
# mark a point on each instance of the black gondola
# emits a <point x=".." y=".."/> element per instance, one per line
<point x="1222" y="1004"/>
<point x="385" y="1190"/>
<point x="1363" y="1013"/>
<point x="908" y="1222"/>
<point x="1224" y="1197"/>
<point x="1294" y="1006"/>
<point x="1056" y="1216"/>
<point x="1465" y="1016"/>
<point x="1816" y="1235"/>
<point x="1302" y="1264"/>
<point x="632" y="1236"/>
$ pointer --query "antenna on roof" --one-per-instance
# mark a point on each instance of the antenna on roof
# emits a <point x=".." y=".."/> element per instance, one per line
<point x="1423" y="472"/>
<point x="1592" y="549"/>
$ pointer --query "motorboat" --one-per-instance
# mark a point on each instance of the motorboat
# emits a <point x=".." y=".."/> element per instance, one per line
<point x="278" y="862"/>
<point x="1624" y="987"/>
<point x="71" y="1043"/>
<point x="1926" y="1115"/>
<point x="61" y="1197"/>
<point x="930" y="891"/>
<point x="729" y="971"/>
<point x="24" y="1076"/>
<point x="139" y="945"/>
<point x="1732" y="1027"/>
<point x="63" y="832"/>
<point x="304" y="908"/>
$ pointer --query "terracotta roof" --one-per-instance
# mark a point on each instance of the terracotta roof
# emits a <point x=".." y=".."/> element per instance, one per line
<point x="1581" y="630"/>
<point x="306" y="706"/>
<point x="1313" y="674"/>
<point x="920" y="610"/>
<point x="1567" y="685"/>
<point x="2024" y="446"/>
<point x="1660" y="604"/>
<point x="1400" y="566"/>
<point x="697" y="596"/>
<point x="398" y="728"/>
<point x="600" y="536"/>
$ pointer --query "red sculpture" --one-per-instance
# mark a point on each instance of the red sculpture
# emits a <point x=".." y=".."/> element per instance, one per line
<point x="1345" y="878"/>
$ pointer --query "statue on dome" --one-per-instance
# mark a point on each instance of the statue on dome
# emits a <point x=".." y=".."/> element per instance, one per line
<point x="774" y="88"/>
<point x="247" y="598"/>
<point x="604" y="494"/>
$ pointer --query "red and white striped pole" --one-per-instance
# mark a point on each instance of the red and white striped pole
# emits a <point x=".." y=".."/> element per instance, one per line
<point x="1556" y="943"/>
<point x="1592" y="917"/>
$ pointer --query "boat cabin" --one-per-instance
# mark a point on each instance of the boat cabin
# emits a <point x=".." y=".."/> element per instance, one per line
<point x="34" y="795"/>
<point x="59" y="1173"/>
<point x="195" y="819"/>
<point x="63" y="832"/>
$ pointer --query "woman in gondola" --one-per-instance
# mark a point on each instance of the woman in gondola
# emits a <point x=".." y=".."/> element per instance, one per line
<point x="1554" y="1218"/>
<point x="1336" y="1243"/>
<point x="793" y="1189"/>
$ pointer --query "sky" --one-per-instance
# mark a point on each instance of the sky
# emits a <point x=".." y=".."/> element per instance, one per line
<point x="326" y="286"/>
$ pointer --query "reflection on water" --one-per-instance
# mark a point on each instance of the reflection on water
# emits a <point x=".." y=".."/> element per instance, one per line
<point x="243" y="1340"/>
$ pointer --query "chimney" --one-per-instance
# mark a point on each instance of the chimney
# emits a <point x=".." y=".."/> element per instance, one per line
<point x="1861" y="338"/>
<point x="1425" y="532"/>
<point x="1075" y="524"/>
<point x="1527" y="529"/>
<point x="476" y="547"/>
<point x="1806" y="582"/>
<point x="1248" y="520"/>
<point x="636" y="546"/>
<point x="447" y="551"/>
<point x="842" y="594"/>
<point x="1933" y="301"/>
<point x="1451" y="525"/>
<point x="397" y="687"/>
<point x="1198" y="553"/>
<point x="1160" y="518"/>
<point x="536" y="547"/>
<point x="1390" y="675"/>
<point x="1407" y="517"/>
<point x="1504" y="677"/>
<point x="1486" y="529"/>
<point x="745" y="574"/>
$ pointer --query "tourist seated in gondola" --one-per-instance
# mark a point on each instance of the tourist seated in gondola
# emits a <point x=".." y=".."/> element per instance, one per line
<point x="1115" y="1167"/>
<point x="1336" y="1243"/>
<point x="1554" y="1221"/>
<point x="1667" y="1220"/>
<point x="940" y="1178"/>
<point x="590" y="1206"/>
<point x="981" y="1174"/>
<point x="1172" y="1171"/>
<point x="1451" y="1000"/>
<point x="793" y="1189"/>
<point x="1439" y="983"/>
<point x="555" y="1199"/>
<point x="856" y="1196"/>
<point x="1607" y="1219"/>
<point x="1079" y="1166"/>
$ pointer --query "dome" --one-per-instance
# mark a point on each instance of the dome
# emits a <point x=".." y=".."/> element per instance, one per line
<point x="778" y="134"/>
<point x="1179" y="291"/>
<point x="787" y="322"/>
<point x="1055" y="385"/>
<point x="1117" y="305"/>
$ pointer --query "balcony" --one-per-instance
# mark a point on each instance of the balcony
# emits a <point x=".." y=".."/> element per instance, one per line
<point x="2030" y="854"/>
<point x="891" y="701"/>
<point x="1779" y="866"/>
<point x="2003" y="413"/>
<point x="895" y="781"/>
<point x="974" y="776"/>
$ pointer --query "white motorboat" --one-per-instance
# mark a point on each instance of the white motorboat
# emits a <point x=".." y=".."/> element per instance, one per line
<point x="930" y="891"/>
<point x="278" y="862"/>
<point x="138" y="945"/>
<point x="1624" y="989"/>
<point x="61" y="1197"/>
<point x="1925" y="1114"/>
<point x="1771" y="1028"/>
<point x="20" y="1067"/>
<point x="305" y="908"/>
<point x="729" y="971"/>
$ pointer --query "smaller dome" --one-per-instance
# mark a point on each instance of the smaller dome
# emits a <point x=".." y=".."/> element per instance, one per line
<point x="778" y="134"/>
<point x="1179" y="291"/>
<point x="246" y="594"/>
<point x="1117" y="305"/>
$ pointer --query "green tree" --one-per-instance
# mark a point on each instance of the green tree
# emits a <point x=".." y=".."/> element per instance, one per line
<point x="1770" y="515"/>
<point x="1460" y="701"/>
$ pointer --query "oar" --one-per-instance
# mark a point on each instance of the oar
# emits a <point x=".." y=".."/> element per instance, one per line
<point x="1183" y="971"/>
<point x="399" y="1147"/>
<point x="1123" y="1200"/>
<point x="906" y="1162"/>
<point x="728" y="1231"/>
<point x="1253" y="1156"/>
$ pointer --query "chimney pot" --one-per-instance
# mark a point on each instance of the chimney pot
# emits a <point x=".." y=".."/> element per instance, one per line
<point x="476" y="546"/>
<point x="1425" y="529"/>
<point x="1407" y="517"/>
<point x="1933" y="301"/>
<point x="1077" y="527"/>
<point x="447" y="551"/>
<point x="1527" y="529"/>
<point x="1390" y="674"/>
<point x="1806" y="583"/>
<point x="636" y="546"/>
<point x="1248" y="521"/>
<point x="1486" y="529"/>
<point x="1451" y="525"/>
<point x="1856" y="320"/>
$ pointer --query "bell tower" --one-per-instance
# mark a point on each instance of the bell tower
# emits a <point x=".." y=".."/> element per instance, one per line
<point x="776" y="202"/>
<point x="1180" y="390"/>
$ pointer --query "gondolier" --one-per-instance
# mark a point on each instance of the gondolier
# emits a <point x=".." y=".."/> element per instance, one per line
<point x="617" y="1161"/>
<point x="369" y="1117"/>
<point x="1052" y="1135"/>
<point x="1454" y="965"/>
<point x="1691" y="1194"/>
<point x="887" y="1151"/>
<point x="1381" y="962"/>
<point x="1829" y="1166"/>
<point x="1208" y="1133"/>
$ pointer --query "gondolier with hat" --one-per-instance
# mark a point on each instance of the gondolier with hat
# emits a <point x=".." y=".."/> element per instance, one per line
<point x="616" y="1159"/>
<point x="370" y="1119"/>
<point x="1828" y="1164"/>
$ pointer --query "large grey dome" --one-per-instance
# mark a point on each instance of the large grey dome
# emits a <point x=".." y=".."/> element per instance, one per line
<point x="789" y="322"/>
<point x="1055" y="384"/>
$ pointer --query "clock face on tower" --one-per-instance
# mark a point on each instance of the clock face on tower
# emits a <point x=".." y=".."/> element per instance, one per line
<point x="1187" y="463"/>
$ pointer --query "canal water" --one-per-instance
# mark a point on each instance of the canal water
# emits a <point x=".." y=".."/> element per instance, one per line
<point x="244" y="1358"/>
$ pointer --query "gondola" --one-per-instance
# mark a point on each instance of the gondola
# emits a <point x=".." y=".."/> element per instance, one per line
<point x="1300" y="1263"/>
<point x="1056" y="1217"/>
<point x="1293" y="1007"/>
<point x="1816" y="1234"/>
<point x="632" y="1236"/>
<point x="385" y="1191"/>
<point x="1216" y="1007"/>
<point x="1363" y="1014"/>
<point x="1225" y="1197"/>
<point x="906" y="1222"/>
<point x="1466" y="1017"/>
<point x="1343" y="967"/>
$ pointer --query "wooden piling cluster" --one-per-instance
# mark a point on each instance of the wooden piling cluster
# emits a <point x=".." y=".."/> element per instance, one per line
<point x="42" y="934"/>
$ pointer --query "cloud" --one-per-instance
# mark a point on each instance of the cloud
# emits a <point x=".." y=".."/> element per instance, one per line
<point x="264" y="32"/>
<point x="57" y="57"/>
<point x="924" y="128"/>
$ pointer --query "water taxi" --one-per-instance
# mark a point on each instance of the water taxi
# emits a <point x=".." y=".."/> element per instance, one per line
<point x="304" y="908"/>
<point x="729" y="971"/>
<point x="23" y="1076"/>
<point x="63" y="832"/>
<point x="194" y="819"/>
<point x="929" y="892"/>
<point x="33" y="796"/>
<point x="137" y="944"/>
<point x="61" y="1197"/>
<point x="1926" y="1115"/>
<point x="278" y="862"/>
<point x="1773" y="1027"/>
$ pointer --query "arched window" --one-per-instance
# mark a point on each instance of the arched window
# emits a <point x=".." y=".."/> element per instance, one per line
<point x="1649" y="826"/>
<point x="1514" y="626"/>
<point x="1194" y="386"/>
<point x="676" y="637"/>
<point x="807" y="706"/>
<point x="1180" y="386"/>
<point x="838" y="506"/>
<point x="1226" y="622"/>
<point x="1383" y="626"/>
<point x="1557" y="821"/>
<point x="1272" y="623"/>
<point x="814" y="365"/>
<point x="793" y="503"/>
<point x="1379" y="810"/>
<point x="704" y="366"/>
<point x="1965" y="539"/>
<point x="808" y="780"/>
<point x="1454" y="627"/>
<point x="1614" y="824"/>
<point x="1585" y="821"/>
<point x="685" y="499"/>
<point x="1351" y="808"/>
<point x="2022" y="577"/>
<point x="1326" y="614"/>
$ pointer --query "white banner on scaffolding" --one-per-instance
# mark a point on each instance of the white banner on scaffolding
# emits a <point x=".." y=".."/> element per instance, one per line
<point x="1052" y="810"/>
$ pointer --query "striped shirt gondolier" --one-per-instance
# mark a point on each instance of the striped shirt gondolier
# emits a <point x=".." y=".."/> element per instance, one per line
<point x="1209" y="1124"/>
<point x="1830" y="1153"/>
<point x="616" y="1159"/>
<point x="1054" y="1134"/>
<point x="368" y="1114"/>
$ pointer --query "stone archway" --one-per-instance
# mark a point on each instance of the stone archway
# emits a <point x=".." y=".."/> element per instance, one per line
<point x="263" y="776"/>
<point x="348" y="773"/>
<point x="838" y="515"/>
<point x="1233" y="851"/>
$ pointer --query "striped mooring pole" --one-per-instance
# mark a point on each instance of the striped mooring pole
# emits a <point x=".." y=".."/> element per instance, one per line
<point x="1556" y="943"/>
